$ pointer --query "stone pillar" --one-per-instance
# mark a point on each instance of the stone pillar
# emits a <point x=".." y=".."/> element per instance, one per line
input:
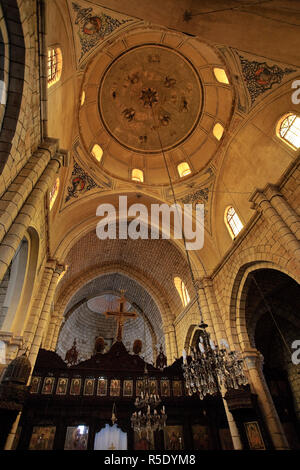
<point x="38" y="304"/>
<point x="57" y="327"/>
<point x="277" y="224"/>
<point x="286" y="212"/>
<point x="294" y="380"/>
<point x="43" y="319"/>
<point x="50" y="331"/>
<point x="211" y="315"/>
<point x="19" y="227"/>
<point x="171" y="344"/>
<point x="11" y="435"/>
<point x="254" y="362"/>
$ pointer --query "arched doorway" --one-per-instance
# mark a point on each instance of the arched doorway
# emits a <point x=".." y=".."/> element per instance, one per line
<point x="272" y="306"/>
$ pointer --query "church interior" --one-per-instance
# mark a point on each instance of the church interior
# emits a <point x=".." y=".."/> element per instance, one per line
<point x="142" y="342"/>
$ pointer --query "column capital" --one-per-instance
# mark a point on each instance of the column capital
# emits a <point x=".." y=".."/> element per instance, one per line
<point x="62" y="157"/>
<point x="203" y="282"/>
<point x="253" y="358"/>
<point x="271" y="190"/>
<point x="257" y="198"/>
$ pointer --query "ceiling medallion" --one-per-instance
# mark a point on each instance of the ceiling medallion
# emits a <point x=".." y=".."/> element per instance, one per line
<point x="146" y="89"/>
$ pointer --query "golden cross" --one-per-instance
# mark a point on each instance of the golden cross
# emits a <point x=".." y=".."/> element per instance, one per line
<point x="121" y="316"/>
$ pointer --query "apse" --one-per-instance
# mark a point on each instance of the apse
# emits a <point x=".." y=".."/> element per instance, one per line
<point x="85" y="318"/>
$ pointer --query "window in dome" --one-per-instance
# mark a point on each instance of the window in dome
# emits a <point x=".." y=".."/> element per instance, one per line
<point x="233" y="222"/>
<point x="54" y="65"/>
<point x="53" y="193"/>
<point x="218" y="131"/>
<point x="183" y="169"/>
<point x="97" y="152"/>
<point x="137" y="175"/>
<point x="221" y="75"/>
<point x="288" y="130"/>
<point x="182" y="291"/>
<point x="82" y="98"/>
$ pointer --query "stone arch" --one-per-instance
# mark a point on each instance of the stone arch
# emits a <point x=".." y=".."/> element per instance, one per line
<point x="14" y="56"/>
<point x="237" y="314"/>
<point x="150" y="286"/>
<point x="19" y="290"/>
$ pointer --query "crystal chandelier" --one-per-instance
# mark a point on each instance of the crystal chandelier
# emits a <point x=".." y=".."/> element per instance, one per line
<point x="148" y="421"/>
<point x="146" y="396"/>
<point x="212" y="367"/>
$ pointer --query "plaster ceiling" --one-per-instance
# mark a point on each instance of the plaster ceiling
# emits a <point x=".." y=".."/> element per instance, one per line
<point x="146" y="91"/>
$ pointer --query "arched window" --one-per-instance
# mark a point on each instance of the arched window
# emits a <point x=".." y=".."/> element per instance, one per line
<point x="97" y="152"/>
<point x="54" y="65"/>
<point x="288" y="130"/>
<point x="82" y="99"/>
<point x="183" y="169"/>
<point x="53" y="193"/>
<point x="137" y="175"/>
<point x="233" y="222"/>
<point x="221" y="75"/>
<point x="218" y="131"/>
<point x="182" y="291"/>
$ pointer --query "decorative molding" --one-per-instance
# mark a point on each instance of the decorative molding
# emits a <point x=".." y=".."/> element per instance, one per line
<point x="261" y="77"/>
<point x="81" y="182"/>
<point x="93" y="27"/>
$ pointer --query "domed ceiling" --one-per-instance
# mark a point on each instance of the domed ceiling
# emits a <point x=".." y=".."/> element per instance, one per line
<point x="150" y="90"/>
<point x="146" y="90"/>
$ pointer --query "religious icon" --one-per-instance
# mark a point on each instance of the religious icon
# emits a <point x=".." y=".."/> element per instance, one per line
<point x="127" y="388"/>
<point x="201" y="438"/>
<point x="35" y="384"/>
<point x="88" y="387"/>
<point x="173" y="436"/>
<point x="153" y="386"/>
<point x="165" y="388"/>
<point x="102" y="387"/>
<point x="254" y="436"/>
<point x="42" y="438"/>
<point x="144" y="440"/>
<point x="75" y="387"/>
<point x="115" y="388"/>
<point x="139" y="387"/>
<point x="61" y="388"/>
<point x="48" y="385"/>
<point x="177" y="388"/>
<point x="76" y="438"/>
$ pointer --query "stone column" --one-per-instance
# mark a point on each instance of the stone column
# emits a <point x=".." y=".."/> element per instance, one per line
<point x="11" y="435"/>
<point x="286" y="212"/>
<point x="171" y="344"/>
<point x="50" y="331"/>
<point x="19" y="227"/>
<point x="43" y="319"/>
<point x="254" y="361"/>
<point x="210" y="306"/>
<point x="57" y="327"/>
<point x="276" y="224"/>
<point x="38" y="304"/>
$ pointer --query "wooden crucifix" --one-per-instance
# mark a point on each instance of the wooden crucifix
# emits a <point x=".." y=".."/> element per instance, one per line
<point x="121" y="316"/>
